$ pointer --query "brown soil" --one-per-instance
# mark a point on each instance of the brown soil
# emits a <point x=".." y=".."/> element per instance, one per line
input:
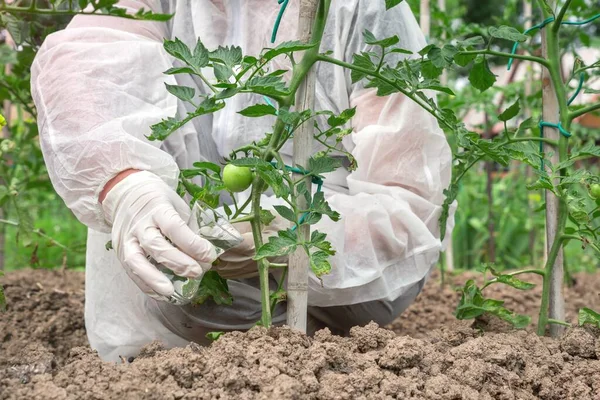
<point x="44" y="355"/>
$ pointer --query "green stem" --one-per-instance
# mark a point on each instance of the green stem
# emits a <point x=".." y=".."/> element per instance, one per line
<point x="242" y="208"/>
<point x="560" y="16"/>
<point x="377" y="75"/>
<point x="584" y="110"/>
<point x="39" y="233"/>
<point x="540" y="272"/>
<point x="535" y="139"/>
<point x="535" y="59"/>
<point x="247" y="218"/>
<point x="557" y="322"/>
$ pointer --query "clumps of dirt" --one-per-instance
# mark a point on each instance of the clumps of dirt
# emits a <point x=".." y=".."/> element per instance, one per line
<point x="44" y="355"/>
<point x="370" y="364"/>
<point x="44" y="316"/>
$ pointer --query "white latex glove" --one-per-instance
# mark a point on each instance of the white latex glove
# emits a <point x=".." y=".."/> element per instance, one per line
<point x="142" y="210"/>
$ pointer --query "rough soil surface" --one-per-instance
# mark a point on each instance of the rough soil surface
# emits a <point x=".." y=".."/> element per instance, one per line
<point x="44" y="355"/>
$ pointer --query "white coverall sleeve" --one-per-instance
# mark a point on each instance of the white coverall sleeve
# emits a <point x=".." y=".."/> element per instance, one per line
<point x="388" y="238"/>
<point x="98" y="86"/>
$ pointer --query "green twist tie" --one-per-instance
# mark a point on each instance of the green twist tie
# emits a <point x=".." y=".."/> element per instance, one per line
<point x="284" y="4"/>
<point x="546" y="22"/>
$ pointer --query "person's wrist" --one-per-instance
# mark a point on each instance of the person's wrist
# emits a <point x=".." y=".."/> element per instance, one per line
<point x="111" y="183"/>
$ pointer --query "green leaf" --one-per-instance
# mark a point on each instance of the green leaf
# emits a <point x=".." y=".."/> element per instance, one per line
<point x="464" y="59"/>
<point x="507" y="33"/>
<point x="273" y="178"/>
<point x="214" y="287"/>
<point x="287" y="48"/>
<point x="208" y="165"/>
<point x="184" y="93"/>
<point x="179" y="70"/>
<point x="436" y="87"/>
<point x="547" y="7"/>
<point x="108" y="246"/>
<point x="251" y="162"/>
<point x="322" y="165"/>
<point x="481" y="77"/>
<point x="177" y="49"/>
<point x="511" y="280"/>
<point x="391" y="3"/>
<point x="472" y="41"/>
<point x="199" y="58"/>
<point x="229" y="56"/>
<point x="442" y="57"/>
<point x="212" y="336"/>
<point x="510" y="112"/>
<point x="401" y="51"/>
<point x="259" y="110"/>
<point x="586" y="316"/>
<point x="267" y="85"/>
<point x="266" y="217"/>
<point x="363" y="61"/>
<point x="343" y="118"/>
<point x="319" y="263"/>
<point x="372" y="40"/>
<point x="430" y="71"/>
<point x="281" y="245"/>
<point x="222" y="72"/>
<point x="227" y="93"/>
<point x="286" y="213"/>
<point x="317" y="240"/>
<point x="320" y="206"/>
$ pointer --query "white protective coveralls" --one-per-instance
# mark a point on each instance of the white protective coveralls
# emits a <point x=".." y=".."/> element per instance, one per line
<point x="99" y="85"/>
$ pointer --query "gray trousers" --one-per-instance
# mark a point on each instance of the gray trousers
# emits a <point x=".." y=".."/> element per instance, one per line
<point x="192" y="323"/>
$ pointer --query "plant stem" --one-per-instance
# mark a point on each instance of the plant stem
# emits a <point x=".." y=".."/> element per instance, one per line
<point x="536" y="271"/>
<point x="535" y="139"/>
<point x="377" y="75"/>
<point x="560" y="16"/>
<point x="535" y="59"/>
<point x="263" y="264"/>
<point x="39" y="233"/>
<point x="584" y="110"/>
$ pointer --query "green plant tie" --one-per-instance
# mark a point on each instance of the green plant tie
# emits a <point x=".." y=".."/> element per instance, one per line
<point x="546" y="22"/>
<point x="314" y="179"/>
<point x="533" y="28"/>
<point x="284" y="4"/>
<point x="558" y="126"/>
<point x="579" y="86"/>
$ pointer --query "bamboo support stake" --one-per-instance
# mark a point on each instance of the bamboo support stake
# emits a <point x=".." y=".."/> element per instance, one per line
<point x="551" y="113"/>
<point x="297" y="284"/>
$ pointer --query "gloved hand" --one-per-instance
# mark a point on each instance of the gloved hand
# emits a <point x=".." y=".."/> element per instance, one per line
<point x="237" y="262"/>
<point x="142" y="210"/>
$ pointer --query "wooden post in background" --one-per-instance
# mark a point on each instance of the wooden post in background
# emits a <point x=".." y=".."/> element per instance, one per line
<point x="297" y="284"/>
<point x="550" y="113"/>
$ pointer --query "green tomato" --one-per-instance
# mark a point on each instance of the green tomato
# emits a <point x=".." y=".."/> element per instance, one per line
<point x="595" y="191"/>
<point x="237" y="179"/>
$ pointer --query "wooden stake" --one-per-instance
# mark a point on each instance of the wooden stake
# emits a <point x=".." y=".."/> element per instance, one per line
<point x="550" y="113"/>
<point x="297" y="285"/>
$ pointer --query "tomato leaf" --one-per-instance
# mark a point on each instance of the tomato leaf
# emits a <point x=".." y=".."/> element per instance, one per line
<point x="258" y="110"/>
<point x="391" y="3"/>
<point x="507" y="33"/>
<point x="184" y="93"/>
<point x="510" y="112"/>
<point x="281" y="245"/>
<point x="481" y="77"/>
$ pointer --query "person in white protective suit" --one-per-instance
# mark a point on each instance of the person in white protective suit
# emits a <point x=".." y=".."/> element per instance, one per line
<point x="99" y="85"/>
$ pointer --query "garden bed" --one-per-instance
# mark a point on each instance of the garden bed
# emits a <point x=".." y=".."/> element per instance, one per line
<point x="425" y="354"/>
